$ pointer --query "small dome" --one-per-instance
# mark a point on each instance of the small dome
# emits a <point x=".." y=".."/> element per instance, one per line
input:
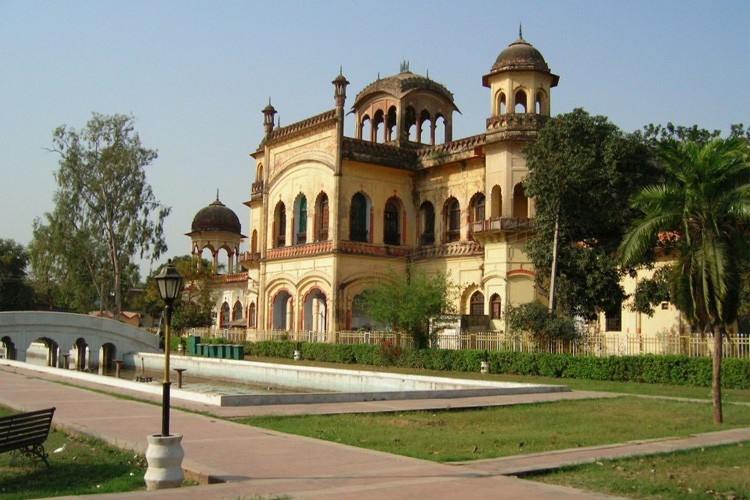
<point x="403" y="83"/>
<point x="216" y="217"/>
<point x="520" y="55"/>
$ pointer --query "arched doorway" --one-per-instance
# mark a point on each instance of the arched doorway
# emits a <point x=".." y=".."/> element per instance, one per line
<point x="281" y="311"/>
<point x="314" y="313"/>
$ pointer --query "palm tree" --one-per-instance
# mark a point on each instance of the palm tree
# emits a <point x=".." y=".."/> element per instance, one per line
<point x="706" y="203"/>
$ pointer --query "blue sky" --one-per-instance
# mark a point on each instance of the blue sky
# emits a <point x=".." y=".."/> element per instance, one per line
<point x="196" y="74"/>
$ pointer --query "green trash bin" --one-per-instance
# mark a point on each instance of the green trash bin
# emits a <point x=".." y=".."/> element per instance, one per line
<point x="238" y="351"/>
<point x="193" y="342"/>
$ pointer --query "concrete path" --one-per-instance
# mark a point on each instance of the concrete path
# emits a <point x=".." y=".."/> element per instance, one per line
<point x="260" y="462"/>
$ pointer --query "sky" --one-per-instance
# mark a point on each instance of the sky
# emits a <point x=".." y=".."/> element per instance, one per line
<point x="195" y="75"/>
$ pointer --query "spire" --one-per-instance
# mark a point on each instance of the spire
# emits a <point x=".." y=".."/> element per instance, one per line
<point x="339" y="85"/>
<point x="520" y="31"/>
<point x="268" y="113"/>
<point x="217" y="194"/>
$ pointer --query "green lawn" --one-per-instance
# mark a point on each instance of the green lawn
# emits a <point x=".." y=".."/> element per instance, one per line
<point x="721" y="472"/>
<point x="458" y="435"/>
<point x="83" y="467"/>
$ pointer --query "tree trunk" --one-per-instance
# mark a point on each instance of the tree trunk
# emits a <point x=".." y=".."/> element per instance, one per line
<point x="553" y="272"/>
<point x="716" y="387"/>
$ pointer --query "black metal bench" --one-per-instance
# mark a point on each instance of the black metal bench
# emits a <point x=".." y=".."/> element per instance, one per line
<point x="25" y="432"/>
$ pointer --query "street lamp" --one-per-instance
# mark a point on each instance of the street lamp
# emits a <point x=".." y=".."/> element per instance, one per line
<point x="169" y="282"/>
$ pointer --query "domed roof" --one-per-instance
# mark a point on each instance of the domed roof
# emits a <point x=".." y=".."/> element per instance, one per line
<point x="216" y="217"/>
<point x="520" y="55"/>
<point x="404" y="82"/>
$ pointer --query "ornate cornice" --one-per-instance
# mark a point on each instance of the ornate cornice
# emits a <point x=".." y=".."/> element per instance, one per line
<point x="301" y="128"/>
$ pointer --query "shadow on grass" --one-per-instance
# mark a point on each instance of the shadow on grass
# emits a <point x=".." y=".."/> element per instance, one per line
<point x="25" y="479"/>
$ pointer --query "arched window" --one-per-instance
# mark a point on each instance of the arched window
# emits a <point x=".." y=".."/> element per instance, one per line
<point x="495" y="306"/>
<point x="439" y="131"/>
<point x="300" y="220"/>
<point x="424" y="127"/>
<point x="251" y="315"/>
<point x="225" y="318"/>
<point x="237" y="311"/>
<point x="391" y="215"/>
<point x="496" y="209"/>
<point x="279" y="224"/>
<point x="477" y="208"/>
<point x="391" y="124"/>
<point x="427" y="224"/>
<point x="452" y="220"/>
<point x="520" y="202"/>
<point x="476" y="304"/>
<point x="378" y="119"/>
<point x="321" y="217"/>
<point x="359" y="218"/>
<point x="410" y="124"/>
<point x="520" y="106"/>
<point x="501" y="104"/>
<point x="539" y="103"/>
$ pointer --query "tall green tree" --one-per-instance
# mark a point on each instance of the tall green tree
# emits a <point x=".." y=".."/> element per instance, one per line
<point x="407" y="301"/>
<point x="105" y="212"/>
<point x="706" y="202"/>
<point x="582" y="170"/>
<point x="15" y="292"/>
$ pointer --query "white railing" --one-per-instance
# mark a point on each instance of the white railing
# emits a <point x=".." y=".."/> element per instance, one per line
<point x="604" y="344"/>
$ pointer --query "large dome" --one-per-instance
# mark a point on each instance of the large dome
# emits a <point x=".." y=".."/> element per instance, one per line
<point x="520" y="55"/>
<point x="216" y="217"/>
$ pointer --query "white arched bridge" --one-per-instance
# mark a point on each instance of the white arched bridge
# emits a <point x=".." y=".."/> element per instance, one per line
<point x="72" y="340"/>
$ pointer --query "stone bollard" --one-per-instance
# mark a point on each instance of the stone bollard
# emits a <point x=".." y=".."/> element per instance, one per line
<point x="164" y="456"/>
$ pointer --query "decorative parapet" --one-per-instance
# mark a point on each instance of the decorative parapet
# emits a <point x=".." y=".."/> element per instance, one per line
<point x="302" y="127"/>
<point x="257" y="191"/>
<point x="249" y="258"/>
<point x="457" y="150"/>
<point x="382" y="154"/>
<point x="358" y="248"/>
<point x="515" y="125"/>
<point x="449" y="250"/>
<point x="290" y="252"/>
<point x="230" y="278"/>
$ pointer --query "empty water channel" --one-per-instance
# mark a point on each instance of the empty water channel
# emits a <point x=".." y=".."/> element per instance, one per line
<point x="225" y="382"/>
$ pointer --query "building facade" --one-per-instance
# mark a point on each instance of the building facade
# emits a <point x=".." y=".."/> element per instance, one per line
<point x="329" y="214"/>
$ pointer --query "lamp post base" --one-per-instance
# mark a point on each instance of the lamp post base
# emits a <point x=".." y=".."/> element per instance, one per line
<point x="164" y="456"/>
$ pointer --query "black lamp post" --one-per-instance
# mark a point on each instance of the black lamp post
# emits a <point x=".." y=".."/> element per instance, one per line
<point x="170" y="286"/>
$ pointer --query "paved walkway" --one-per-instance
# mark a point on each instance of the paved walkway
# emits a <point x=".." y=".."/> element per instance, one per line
<point x="260" y="462"/>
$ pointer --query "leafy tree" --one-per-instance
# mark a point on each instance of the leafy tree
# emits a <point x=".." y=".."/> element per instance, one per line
<point x="15" y="292"/>
<point x="105" y="212"/>
<point x="193" y="309"/>
<point x="706" y="203"/>
<point x="543" y="324"/>
<point x="582" y="169"/>
<point x="407" y="302"/>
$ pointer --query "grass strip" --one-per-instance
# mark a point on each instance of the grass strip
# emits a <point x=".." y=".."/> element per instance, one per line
<point x="718" y="472"/>
<point x="459" y="435"/>
<point x="79" y="465"/>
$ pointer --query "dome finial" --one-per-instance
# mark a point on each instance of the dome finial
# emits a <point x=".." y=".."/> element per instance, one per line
<point x="520" y="31"/>
<point x="217" y="194"/>
<point x="405" y="66"/>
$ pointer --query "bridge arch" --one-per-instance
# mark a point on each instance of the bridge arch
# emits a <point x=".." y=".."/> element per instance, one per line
<point x="90" y="342"/>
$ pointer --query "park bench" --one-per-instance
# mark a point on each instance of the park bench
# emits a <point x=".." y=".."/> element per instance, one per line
<point x="25" y="433"/>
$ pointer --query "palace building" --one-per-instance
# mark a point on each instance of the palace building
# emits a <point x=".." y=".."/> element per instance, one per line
<point x="330" y="213"/>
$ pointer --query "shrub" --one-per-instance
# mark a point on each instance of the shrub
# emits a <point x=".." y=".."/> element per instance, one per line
<point x="653" y="369"/>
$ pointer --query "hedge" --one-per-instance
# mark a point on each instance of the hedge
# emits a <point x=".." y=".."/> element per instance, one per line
<point x="653" y="369"/>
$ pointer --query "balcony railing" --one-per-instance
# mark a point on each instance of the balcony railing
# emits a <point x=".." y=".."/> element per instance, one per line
<point x="503" y="224"/>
